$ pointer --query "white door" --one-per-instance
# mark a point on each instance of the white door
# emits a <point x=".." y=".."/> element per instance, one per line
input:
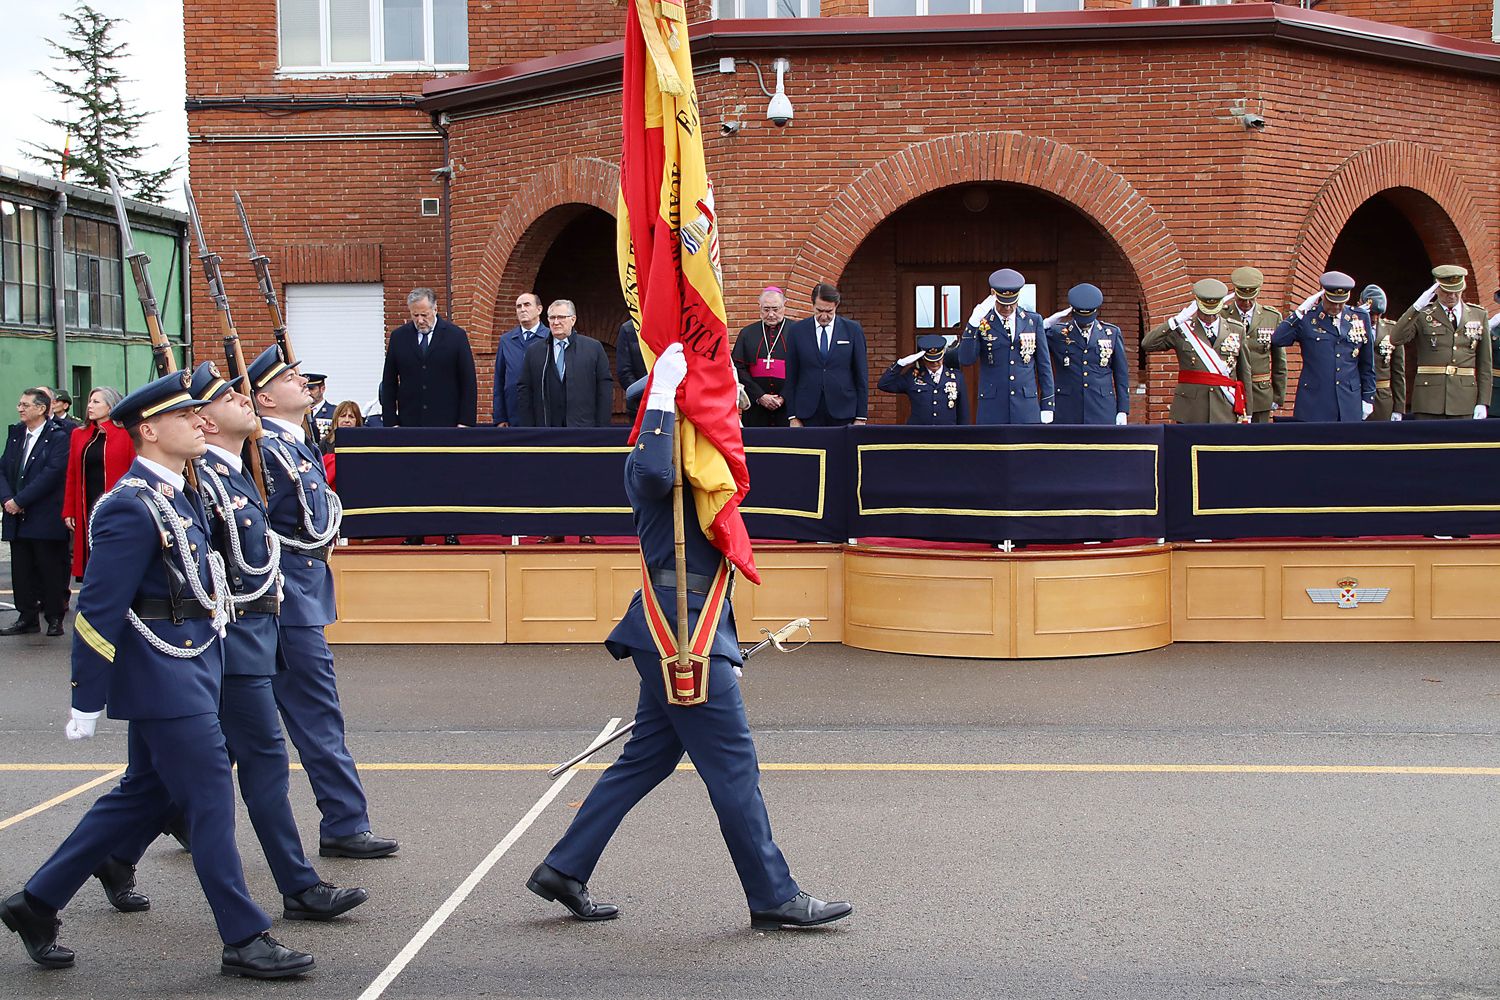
<point x="339" y="331"/>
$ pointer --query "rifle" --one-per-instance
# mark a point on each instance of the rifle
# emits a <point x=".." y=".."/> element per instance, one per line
<point x="234" y="355"/>
<point x="162" y="358"/>
<point x="273" y="306"/>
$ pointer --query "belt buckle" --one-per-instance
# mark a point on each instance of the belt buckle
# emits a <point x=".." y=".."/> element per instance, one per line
<point x="1452" y="370"/>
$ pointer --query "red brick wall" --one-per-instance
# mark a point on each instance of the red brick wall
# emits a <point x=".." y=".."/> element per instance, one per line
<point x="1465" y="18"/>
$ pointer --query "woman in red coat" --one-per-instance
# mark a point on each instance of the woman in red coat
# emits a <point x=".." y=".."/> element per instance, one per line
<point x="99" y="453"/>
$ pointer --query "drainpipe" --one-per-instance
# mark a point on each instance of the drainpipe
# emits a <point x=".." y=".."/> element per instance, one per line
<point x="440" y="122"/>
<point x="59" y="318"/>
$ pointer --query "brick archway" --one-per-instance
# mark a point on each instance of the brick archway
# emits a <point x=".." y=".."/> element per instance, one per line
<point x="1111" y="202"/>
<point x="1460" y="235"/>
<point x="584" y="181"/>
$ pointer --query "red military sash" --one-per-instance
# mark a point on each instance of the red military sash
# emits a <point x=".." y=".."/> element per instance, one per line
<point x="1221" y="381"/>
<point x="685" y="686"/>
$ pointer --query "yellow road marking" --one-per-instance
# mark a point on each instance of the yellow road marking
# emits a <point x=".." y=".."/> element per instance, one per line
<point x="983" y="768"/>
<point x="65" y="796"/>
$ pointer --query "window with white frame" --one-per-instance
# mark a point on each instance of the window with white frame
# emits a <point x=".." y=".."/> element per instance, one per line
<point x="354" y="35"/>
<point x="906" y="8"/>
<point x="767" y="8"/>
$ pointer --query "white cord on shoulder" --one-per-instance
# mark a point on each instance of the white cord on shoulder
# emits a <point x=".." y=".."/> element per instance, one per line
<point x="318" y="539"/>
<point x="218" y="496"/>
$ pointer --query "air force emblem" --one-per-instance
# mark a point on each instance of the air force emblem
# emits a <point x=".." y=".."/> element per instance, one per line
<point x="1348" y="594"/>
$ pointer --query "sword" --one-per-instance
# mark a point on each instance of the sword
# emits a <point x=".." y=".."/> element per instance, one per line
<point x="777" y="639"/>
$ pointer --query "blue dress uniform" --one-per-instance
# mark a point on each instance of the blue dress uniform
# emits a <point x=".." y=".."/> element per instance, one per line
<point x="147" y="649"/>
<point x="1338" y="355"/>
<point x="938" y="396"/>
<point x="716" y="734"/>
<point x="305" y="516"/>
<point x="1015" y="366"/>
<point x="1091" y="369"/>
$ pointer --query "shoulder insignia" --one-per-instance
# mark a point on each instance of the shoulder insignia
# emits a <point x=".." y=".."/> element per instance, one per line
<point x="166" y="490"/>
<point x="221" y="468"/>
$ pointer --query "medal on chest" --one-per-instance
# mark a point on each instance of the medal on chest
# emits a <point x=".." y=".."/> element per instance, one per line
<point x="1028" y="346"/>
<point x="1229" y="346"/>
<point x="1106" y="351"/>
<point x="1263" y="337"/>
<point x="1473" y="330"/>
<point x="1357" y="333"/>
<point x="1386" y="349"/>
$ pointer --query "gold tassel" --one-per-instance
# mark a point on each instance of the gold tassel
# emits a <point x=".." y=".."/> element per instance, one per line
<point x="667" y="80"/>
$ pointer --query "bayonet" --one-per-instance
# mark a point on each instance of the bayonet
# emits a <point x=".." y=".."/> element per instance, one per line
<point x="273" y="306"/>
<point x="162" y="358"/>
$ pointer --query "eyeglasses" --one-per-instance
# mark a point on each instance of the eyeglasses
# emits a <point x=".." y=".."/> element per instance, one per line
<point x="553" y="319"/>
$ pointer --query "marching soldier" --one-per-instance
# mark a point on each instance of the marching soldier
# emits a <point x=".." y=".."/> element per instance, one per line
<point x="1267" y="363"/>
<point x="1213" y="368"/>
<point x="1390" y="359"/>
<point x="1091" y="369"/>
<point x="148" y="648"/>
<point x="247" y="713"/>
<point x="936" y="389"/>
<point x="305" y="516"/>
<point x="1010" y="345"/>
<point x="1455" y="369"/>
<point x="714" y="733"/>
<point x="1338" y="354"/>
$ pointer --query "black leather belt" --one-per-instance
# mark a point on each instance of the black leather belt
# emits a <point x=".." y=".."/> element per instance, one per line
<point x="697" y="583"/>
<point x="158" y="609"/>
<point x="320" y="553"/>
<point x="265" y="604"/>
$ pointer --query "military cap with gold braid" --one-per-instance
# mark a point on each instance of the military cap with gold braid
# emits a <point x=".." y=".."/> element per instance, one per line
<point x="208" y="385"/>
<point x="1007" y="283"/>
<point x="1337" y="286"/>
<point x="168" y="393"/>
<point x="933" y="346"/>
<point x="267" y="366"/>
<point x="1211" y="293"/>
<point x="1247" y="282"/>
<point x="1451" y="277"/>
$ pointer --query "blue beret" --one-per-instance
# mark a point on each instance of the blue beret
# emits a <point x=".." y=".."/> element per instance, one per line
<point x="267" y="366"/>
<point x="1007" y="281"/>
<point x="1375" y="295"/>
<point x="208" y="385"/>
<point x="1085" y="298"/>
<point x="168" y="393"/>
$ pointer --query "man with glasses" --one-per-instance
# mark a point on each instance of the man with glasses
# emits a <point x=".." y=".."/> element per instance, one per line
<point x="33" y="477"/>
<point x="565" y="379"/>
<point x="510" y="353"/>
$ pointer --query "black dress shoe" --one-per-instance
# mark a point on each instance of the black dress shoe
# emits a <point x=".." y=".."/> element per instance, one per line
<point x="361" y="845"/>
<point x="551" y="884"/>
<point x="21" y="628"/>
<point x="801" y="910"/>
<point x="264" y="958"/>
<point x="176" y="828"/>
<point x="38" y="933"/>
<point x="118" y="880"/>
<point x="322" y="902"/>
<point x="54" y="626"/>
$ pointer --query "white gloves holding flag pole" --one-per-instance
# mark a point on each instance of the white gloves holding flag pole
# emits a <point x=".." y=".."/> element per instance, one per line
<point x="981" y="311"/>
<point x="81" y="724"/>
<point x="666" y="375"/>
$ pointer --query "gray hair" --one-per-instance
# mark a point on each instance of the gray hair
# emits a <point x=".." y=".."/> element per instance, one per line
<point x="572" y="309"/>
<point x="418" y="294"/>
<point x="110" y="395"/>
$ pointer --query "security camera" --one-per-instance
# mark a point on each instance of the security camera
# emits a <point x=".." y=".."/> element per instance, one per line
<point x="1251" y="120"/>
<point x="779" y="111"/>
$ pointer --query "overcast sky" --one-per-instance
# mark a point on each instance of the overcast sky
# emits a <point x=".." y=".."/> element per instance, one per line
<point x="153" y="65"/>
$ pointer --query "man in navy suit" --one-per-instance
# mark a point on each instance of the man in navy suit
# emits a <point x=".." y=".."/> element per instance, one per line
<point x="510" y="352"/>
<point x="714" y="733"/>
<point x="33" y="471"/>
<point x="148" y="647"/>
<point x="429" y="376"/>
<point x="1090" y="369"/>
<point x="1338" y="354"/>
<point x="1010" y="345"/>
<point x="827" y="374"/>
<point x="565" y="379"/>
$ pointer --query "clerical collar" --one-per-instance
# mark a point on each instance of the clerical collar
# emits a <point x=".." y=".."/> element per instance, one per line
<point x="295" y="430"/>
<point x="227" y="457"/>
<point x="172" y="479"/>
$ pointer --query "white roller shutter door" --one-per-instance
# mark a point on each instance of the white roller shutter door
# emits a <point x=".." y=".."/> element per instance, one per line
<point x="339" y="330"/>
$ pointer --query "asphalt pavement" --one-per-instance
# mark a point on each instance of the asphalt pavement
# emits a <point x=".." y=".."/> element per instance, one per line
<point x="1206" y="821"/>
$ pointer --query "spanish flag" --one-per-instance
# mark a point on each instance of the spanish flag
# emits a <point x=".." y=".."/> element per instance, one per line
<point x="669" y="264"/>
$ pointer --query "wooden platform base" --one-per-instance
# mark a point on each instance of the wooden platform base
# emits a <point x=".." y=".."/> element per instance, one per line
<point x="975" y="604"/>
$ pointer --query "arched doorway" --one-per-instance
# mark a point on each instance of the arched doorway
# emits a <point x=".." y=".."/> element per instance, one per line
<point x="1393" y="240"/>
<point x="925" y="267"/>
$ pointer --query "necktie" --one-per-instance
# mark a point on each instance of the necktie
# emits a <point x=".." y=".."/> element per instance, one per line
<point x="823" y="340"/>
<point x="423" y="340"/>
<point x="559" y="353"/>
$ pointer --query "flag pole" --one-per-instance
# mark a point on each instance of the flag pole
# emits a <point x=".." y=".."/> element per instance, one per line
<point x="679" y="543"/>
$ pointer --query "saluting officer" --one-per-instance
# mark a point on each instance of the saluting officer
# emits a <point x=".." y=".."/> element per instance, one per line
<point x="1495" y="353"/>
<point x="936" y="389"/>
<point x="1090" y="366"/>
<point x="305" y="516"/>
<point x="147" y="647"/>
<point x="1267" y="363"/>
<point x="1455" y="367"/>
<point x="1338" y="353"/>
<point x="1213" y="373"/>
<point x="714" y="733"/>
<point x="241" y="533"/>
<point x="1390" y="358"/>
<point x="1010" y="345"/>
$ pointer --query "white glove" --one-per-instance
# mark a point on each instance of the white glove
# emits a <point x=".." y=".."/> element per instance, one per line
<point x="1365" y="409"/>
<point x="1186" y="314"/>
<point x="1308" y="303"/>
<point x="666" y="375"/>
<point x="910" y="359"/>
<point x="81" y="724"/>
<point x="1481" y="411"/>
<point x="981" y="311"/>
<point x="1046" y="416"/>
<point x="1121" y="419"/>
<point x="1425" y="299"/>
<point x="1396" y="416"/>
<point x="1495" y="323"/>
<point x="1056" y="318"/>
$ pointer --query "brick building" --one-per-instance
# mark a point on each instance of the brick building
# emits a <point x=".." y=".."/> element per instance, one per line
<point x="1107" y="143"/>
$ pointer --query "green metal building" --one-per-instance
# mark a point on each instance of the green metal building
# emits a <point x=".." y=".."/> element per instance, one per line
<point x="69" y="314"/>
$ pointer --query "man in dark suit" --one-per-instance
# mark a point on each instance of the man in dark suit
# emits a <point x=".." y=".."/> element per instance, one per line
<point x="429" y="370"/>
<point x="510" y="353"/>
<point x="33" y="471"/>
<point x="565" y="379"/>
<point x="630" y="364"/>
<point x="827" y="378"/>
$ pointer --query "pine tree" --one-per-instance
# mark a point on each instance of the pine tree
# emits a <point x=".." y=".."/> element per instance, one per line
<point x="102" y="124"/>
